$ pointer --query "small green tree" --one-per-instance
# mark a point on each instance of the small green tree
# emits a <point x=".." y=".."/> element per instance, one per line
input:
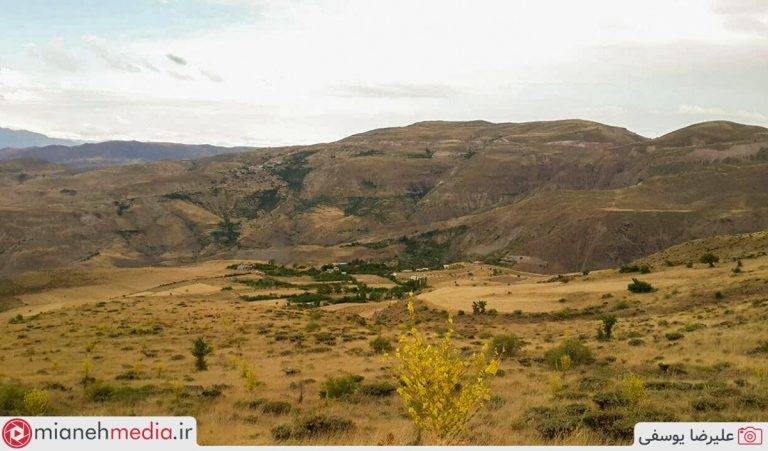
<point x="200" y="350"/>
<point x="710" y="259"/>
<point x="605" y="331"/>
<point x="478" y="307"/>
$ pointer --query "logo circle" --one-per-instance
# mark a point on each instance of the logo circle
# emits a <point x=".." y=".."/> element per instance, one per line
<point x="750" y="437"/>
<point x="17" y="433"/>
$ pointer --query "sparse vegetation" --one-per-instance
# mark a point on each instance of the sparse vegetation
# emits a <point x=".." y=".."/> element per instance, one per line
<point x="289" y="372"/>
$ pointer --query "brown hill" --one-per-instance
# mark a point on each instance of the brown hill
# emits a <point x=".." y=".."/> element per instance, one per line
<point x="713" y="132"/>
<point x="546" y="196"/>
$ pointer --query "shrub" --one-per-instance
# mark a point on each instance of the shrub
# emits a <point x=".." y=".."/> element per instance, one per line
<point x="105" y="392"/>
<point x="11" y="399"/>
<point x="633" y="388"/>
<point x="200" y="350"/>
<point x="276" y="407"/>
<point x="577" y="352"/>
<point x="705" y="404"/>
<point x="673" y="336"/>
<point x="87" y="378"/>
<point x="318" y="425"/>
<point x="638" y="286"/>
<point x="478" y="307"/>
<point x="710" y="259"/>
<point x="605" y="331"/>
<point x="554" y="422"/>
<point x="281" y="432"/>
<point x="506" y="345"/>
<point x="441" y="389"/>
<point x="719" y="295"/>
<point x="340" y="387"/>
<point x="378" y="389"/>
<point x="609" y="399"/>
<point x="642" y="269"/>
<point x="380" y="345"/>
<point x="249" y="375"/>
<point x="35" y="402"/>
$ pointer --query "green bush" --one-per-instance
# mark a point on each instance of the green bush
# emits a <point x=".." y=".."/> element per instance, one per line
<point x="319" y="425"/>
<point x="11" y="399"/>
<point x="378" y="389"/>
<point x="108" y="393"/>
<point x="340" y="387"/>
<point x="638" y="286"/>
<point x="577" y="352"/>
<point x="673" y="336"/>
<point x="554" y="422"/>
<point x="200" y="350"/>
<point x="642" y="269"/>
<point x="710" y="259"/>
<point x="610" y="399"/>
<point x="281" y="432"/>
<point x="506" y="345"/>
<point x="380" y="345"/>
<point x="706" y="404"/>
<point x="605" y="331"/>
<point x="478" y="307"/>
<point x="276" y="407"/>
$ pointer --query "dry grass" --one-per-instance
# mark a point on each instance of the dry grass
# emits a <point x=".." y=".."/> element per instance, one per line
<point x="710" y="373"/>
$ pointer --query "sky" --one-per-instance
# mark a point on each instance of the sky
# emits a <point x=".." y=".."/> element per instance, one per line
<point x="277" y="72"/>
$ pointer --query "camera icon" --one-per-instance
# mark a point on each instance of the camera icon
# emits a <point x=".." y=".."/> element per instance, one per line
<point x="750" y="436"/>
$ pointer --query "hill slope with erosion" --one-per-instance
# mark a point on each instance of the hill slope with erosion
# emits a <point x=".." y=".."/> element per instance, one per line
<point x="542" y="196"/>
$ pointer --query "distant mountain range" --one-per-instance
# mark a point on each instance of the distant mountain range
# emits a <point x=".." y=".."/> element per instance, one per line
<point x="548" y="196"/>
<point x="24" y="138"/>
<point x="15" y="144"/>
<point x="116" y="153"/>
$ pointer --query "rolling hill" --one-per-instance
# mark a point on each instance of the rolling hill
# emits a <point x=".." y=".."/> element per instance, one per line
<point x="542" y="196"/>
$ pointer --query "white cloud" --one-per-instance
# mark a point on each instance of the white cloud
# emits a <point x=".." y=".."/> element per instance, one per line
<point x="744" y="16"/>
<point x="315" y="71"/>
<point x="697" y="110"/>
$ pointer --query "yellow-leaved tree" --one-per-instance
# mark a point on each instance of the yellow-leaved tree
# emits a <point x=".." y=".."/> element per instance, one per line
<point x="441" y="389"/>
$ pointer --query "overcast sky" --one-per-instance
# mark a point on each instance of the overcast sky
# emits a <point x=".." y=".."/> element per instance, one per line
<point x="276" y="72"/>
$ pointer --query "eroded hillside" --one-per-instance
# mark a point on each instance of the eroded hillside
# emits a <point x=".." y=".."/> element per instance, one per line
<point x="544" y="196"/>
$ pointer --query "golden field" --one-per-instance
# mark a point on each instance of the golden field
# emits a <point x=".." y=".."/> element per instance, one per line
<point x="100" y="348"/>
